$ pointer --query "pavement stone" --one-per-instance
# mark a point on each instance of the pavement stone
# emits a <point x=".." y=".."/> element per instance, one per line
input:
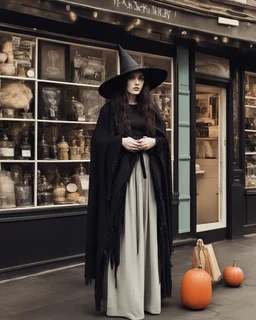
<point x="62" y="295"/>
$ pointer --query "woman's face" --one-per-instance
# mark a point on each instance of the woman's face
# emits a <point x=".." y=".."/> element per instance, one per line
<point x="135" y="82"/>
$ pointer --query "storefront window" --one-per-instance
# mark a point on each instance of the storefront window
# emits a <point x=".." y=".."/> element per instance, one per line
<point x="250" y="130"/>
<point x="49" y="106"/>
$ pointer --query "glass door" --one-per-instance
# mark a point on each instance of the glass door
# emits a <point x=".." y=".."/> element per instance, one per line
<point x="210" y="157"/>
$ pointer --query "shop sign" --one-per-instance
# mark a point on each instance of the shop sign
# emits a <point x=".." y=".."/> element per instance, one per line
<point x="143" y="9"/>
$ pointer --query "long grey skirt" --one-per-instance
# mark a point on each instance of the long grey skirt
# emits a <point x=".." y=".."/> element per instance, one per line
<point x="138" y="285"/>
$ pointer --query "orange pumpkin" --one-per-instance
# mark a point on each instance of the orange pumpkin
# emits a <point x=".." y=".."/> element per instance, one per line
<point x="233" y="276"/>
<point x="196" y="289"/>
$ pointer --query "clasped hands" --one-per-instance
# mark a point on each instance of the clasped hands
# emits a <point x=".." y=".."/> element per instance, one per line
<point x="134" y="145"/>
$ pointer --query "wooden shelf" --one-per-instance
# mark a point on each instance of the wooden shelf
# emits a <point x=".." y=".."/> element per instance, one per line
<point x="16" y="161"/>
<point x="64" y="121"/>
<point x="17" y="78"/>
<point x="249" y="106"/>
<point x="70" y="83"/>
<point x="61" y="161"/>
<point x="248" y="130"/>
<point x="18" y="119"/>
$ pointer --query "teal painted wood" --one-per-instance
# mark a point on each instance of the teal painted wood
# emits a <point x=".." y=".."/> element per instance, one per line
<point x="184" y="138"/>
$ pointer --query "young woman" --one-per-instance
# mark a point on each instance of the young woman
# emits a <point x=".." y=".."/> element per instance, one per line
<point x="128" y="241"/>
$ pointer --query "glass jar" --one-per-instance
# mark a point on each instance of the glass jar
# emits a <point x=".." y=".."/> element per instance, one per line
<point x="16" y="174"/>
<point x="6" y="148"/>
<point x="74" y="151"/>
<point x="44" y="193"/>
<point x="7" y="192"/>
<point x="63" y="149"/>
<point x="23" y="193"/>
<point x="84" y="180"/>
<point x="80" y="139"/>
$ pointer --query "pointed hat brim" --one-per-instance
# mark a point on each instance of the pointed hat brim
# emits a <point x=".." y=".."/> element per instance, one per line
<point x="153" y="76"/>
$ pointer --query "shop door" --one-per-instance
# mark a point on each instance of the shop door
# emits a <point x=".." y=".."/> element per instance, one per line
<point x="210" y="157"/>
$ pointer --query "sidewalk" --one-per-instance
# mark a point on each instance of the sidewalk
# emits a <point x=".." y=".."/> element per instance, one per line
<point x="62" y="295"/>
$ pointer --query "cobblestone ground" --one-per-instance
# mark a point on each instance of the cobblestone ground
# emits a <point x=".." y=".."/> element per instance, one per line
<point x="62" y="295"/>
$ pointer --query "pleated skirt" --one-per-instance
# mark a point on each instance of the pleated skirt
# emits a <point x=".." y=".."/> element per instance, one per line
<point x="138" y="284"/>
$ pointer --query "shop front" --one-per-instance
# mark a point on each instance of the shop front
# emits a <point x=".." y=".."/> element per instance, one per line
<point x="54" y="59"/>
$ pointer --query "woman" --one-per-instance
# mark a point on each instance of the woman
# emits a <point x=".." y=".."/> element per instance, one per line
<point x="128" y="242"/>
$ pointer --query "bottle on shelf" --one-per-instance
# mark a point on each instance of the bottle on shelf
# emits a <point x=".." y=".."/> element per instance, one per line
<point x="6" y="148"/>
<point x="24" y="149"/>
<point x="54" y="149"/>
<point x="43" y="149"/>
<point x="44" y="192"/>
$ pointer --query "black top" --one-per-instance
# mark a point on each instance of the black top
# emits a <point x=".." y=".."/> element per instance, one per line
<point x="138" y="125"/>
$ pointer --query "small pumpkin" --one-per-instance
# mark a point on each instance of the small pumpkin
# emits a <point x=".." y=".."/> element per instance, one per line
<point x="233" y="276"/>
<point x="196" y="289"/>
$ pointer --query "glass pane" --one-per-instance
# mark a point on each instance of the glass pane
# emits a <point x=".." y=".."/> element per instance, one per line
<point x="152" y="62"/>
<point x="250" y="131"/>
<point x="16" y="185"/>
<point x="17" y="56"/>
<point x="162" y="96"/>
<point x="92" y="66"/>
<point x="207" y="156"/>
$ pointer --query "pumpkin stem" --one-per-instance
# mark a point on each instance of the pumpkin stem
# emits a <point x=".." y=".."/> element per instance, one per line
<point x="234" y="263"/>
<point x="200" y="267"/>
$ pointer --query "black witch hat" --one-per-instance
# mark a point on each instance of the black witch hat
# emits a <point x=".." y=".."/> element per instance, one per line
<point x="154" y="76"/>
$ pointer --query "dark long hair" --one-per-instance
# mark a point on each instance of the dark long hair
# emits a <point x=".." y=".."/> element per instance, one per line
<point x="122" y="111"/>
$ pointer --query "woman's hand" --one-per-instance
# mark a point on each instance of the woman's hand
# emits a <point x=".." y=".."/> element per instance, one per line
<point x="147" y="143"/>
<point x="131" y="144"/>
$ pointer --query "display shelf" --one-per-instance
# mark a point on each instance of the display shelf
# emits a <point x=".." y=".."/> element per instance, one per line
<point x="17" y="78"/>
<point x="61" y="161"/>
<point x="250" y="153"/>
<point x="18" y="119"/>
<point x="16" y="161"/>
<point x="251" y="167"/>
<point x="250" y="106"/>
<point x="248" y="130"/>
<point x="3" y="210"/>
<point x="69" y="83"/>
<point x="249" y="97"/>
<point x="64" y="121"/>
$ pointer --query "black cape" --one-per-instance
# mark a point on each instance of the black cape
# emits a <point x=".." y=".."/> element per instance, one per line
<point x="111" y="168"/>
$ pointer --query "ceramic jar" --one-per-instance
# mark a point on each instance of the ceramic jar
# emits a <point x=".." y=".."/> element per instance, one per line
<point x="74" y="151"/>
<point x="59" y="194"/>
<point x="63" y="149"/>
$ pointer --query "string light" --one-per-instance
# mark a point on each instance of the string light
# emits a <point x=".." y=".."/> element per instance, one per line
<point x="72" y="14"/>
<point x="215" y="38"/>
<point x="149" y="30"/>
<point x="95" y="14"/>
<point x="225" y="40"/>
<point x="197" y="39"/>
<point x="251" y="45"/>
<point x="184" y="32"/>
